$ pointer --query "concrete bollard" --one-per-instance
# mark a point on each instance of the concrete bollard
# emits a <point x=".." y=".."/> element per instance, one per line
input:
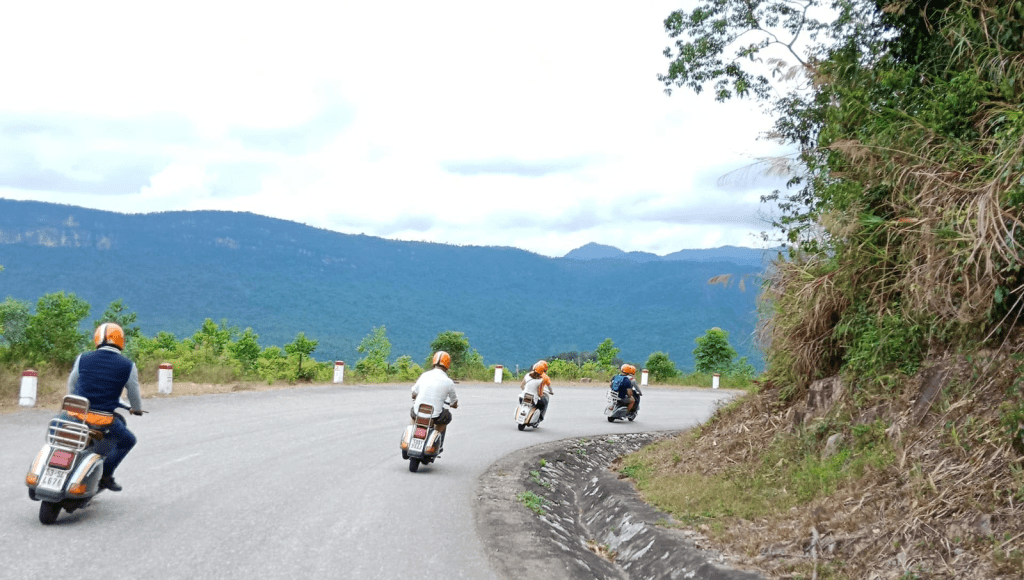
<point x="499" y="373"/>
<point x="29" y="384"/>
<point x="339" y="371"/>
<point x="643" y="378"/>
<point x="165" y="379"/>
<point x="714" y="380"/>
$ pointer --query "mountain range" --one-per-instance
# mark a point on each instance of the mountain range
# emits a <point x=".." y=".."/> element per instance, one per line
<point x="175" y="269"/>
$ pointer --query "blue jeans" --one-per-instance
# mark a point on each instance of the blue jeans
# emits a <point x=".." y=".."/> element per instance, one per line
<point x="120" y="440"/>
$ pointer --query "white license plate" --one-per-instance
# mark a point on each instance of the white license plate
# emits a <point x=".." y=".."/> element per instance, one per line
<point x="417" y="445"/>
<point x="53" y="478"/>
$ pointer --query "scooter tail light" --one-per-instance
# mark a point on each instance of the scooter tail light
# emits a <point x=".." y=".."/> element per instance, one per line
<point x="62" y="459"/>
<point x="421" y="433"/>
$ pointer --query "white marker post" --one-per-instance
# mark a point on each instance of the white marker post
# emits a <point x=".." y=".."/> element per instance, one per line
<point x="714" y="380"/>
<point x="499" y="372"/>
<point x="339" y="371"/>
<point x="643" y="378"/>
<point x="165" y="379"/>
<point x="29" y="383"/>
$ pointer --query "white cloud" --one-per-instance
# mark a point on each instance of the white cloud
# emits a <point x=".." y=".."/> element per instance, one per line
<point x="538" y="125"/>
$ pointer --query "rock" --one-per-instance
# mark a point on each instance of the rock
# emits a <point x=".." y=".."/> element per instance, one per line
<point x="832" y="446"/>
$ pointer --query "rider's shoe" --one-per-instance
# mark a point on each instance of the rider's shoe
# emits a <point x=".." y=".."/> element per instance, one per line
<point x="109" y="483"/>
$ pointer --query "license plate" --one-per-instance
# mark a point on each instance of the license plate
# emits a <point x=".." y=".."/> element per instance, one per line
<point x="417" y="444"/>
<point x="53" y="478"/>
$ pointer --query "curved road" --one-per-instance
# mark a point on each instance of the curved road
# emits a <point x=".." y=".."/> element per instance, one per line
<point x="295" y="483"/>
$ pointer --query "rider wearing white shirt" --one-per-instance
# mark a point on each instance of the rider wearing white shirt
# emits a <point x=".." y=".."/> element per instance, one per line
<point x="434" y="388"/>
<point x="538" y="384"/>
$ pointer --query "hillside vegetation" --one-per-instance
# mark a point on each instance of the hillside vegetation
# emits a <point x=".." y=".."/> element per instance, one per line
<point x="280" y="278"/>
<point x="885" y="440"/>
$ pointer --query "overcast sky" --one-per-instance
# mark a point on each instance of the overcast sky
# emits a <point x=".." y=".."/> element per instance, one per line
<point x="539" y="125"/>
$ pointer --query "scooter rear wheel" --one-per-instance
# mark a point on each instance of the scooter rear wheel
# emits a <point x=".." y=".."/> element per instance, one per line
<point x="48" y="512"/>
<point x="611" y="419"/>
<point x="522" y="427"/>
<point x="414" y="464"/>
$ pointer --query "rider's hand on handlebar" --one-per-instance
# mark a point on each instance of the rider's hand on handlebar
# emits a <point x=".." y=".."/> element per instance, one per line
<point x="137" y="412"/>
<point x="455" y="405"/>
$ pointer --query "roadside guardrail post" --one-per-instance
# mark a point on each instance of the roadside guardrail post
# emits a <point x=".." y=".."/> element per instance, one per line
<point x="339" y="371"/>
<point x="643" y="378"/>
<point x="499" y="372"/>
<point x="165" y="379"/>
<point x="29" y="384"/>
<point x="714" y="380"/>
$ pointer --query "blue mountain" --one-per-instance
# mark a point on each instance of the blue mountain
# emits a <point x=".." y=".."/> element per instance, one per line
<point x="174" y="269"/>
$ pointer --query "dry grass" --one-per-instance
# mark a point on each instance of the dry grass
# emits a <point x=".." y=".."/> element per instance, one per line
<point x="947" y="504"/>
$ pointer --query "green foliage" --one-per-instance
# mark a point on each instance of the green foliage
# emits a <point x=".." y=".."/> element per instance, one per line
<point x="532" y="501"/>
<point x="14" y="316"/>
<point x="377" y="348"/>
<point x="454" y="343"/>
<point x="212" y="337"/>
<point x="246" y="350"/>
<point x="660" y="367"/>
<point x="714" y="354"/>
<point x="299" y="348"/>
<point x="606" y="353"/>
<point x="51" y="334"/>
<point x="879" y="344"/>
<point x="405" y="369"/>
<point x="118" y="313"/>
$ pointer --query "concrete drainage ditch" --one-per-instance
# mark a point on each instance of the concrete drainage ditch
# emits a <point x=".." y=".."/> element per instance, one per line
<point x="556" y="511"/>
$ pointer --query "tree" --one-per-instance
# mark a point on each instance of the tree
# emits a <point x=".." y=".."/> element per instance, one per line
<point x="213" y="337"/>
<point x="606" y="353"/>
<point x="714" y="354"/>
<point x="660" y="366"/>
<point x="52" y="333"/>
<point x="455" y="344"/>
<point x="377" y="349"/>
<point x="246" y="350"/>
<point x="118" y="313"/>
<point x="301" y="346"/>
<point x="14" y="316"/>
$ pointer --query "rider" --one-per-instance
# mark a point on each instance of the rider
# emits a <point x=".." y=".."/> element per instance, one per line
<point x="434" y="388"/>
<point x="624" y="385"/>
<point x="538" y="384"/>
<point x="101" y="376"/>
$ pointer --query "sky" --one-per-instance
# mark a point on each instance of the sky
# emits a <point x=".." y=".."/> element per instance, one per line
<point x="537" y="125"/>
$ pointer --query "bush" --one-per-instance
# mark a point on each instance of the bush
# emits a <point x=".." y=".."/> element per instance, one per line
<point x="660" y="367"/>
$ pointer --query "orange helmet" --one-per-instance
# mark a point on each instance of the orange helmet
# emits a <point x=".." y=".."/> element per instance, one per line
<point x="541" y="366"/>
<point x="442" y="358"/>
<point x="109" y="334"/>
<point x="628" y="369"/>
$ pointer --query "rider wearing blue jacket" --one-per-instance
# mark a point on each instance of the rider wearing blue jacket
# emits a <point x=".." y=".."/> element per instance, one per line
<point x="101" y="376"/>
<point x="625" y="386"/>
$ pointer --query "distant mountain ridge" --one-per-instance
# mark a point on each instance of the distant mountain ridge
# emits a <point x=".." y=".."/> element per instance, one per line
<point x="743" y="256"/>
<point x="174" y="269"/>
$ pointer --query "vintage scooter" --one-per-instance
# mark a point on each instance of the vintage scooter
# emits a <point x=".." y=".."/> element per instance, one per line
<point x="527" y="415"/>
<point x="66" y="472"/>
<point x="616" y="410"/>
<point x="421" y="442"/>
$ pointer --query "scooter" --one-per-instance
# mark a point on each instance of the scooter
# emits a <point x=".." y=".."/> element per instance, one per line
<point x="66" y="472"/>
<point x="527" y="415"/>
<point x="620" y="410"/>
<point x="421" y="442"/>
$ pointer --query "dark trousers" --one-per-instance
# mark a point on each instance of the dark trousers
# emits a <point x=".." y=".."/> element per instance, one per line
<point x="122" y="440"/>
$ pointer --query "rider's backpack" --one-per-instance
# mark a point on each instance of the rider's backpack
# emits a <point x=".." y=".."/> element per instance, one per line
<point x="620" y="383"/>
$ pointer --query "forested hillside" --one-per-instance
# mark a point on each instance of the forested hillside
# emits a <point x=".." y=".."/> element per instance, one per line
<point x="176" y="269"/>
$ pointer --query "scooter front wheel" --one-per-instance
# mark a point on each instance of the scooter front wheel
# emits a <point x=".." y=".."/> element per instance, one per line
<point x="48" y="512"/>
<point x="414" y="465"/>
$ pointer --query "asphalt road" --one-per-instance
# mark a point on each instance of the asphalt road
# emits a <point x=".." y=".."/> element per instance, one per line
<point x="294" y="483"/>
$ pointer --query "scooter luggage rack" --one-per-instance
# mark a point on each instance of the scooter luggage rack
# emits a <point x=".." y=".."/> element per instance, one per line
<point x="68" y="434"/>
